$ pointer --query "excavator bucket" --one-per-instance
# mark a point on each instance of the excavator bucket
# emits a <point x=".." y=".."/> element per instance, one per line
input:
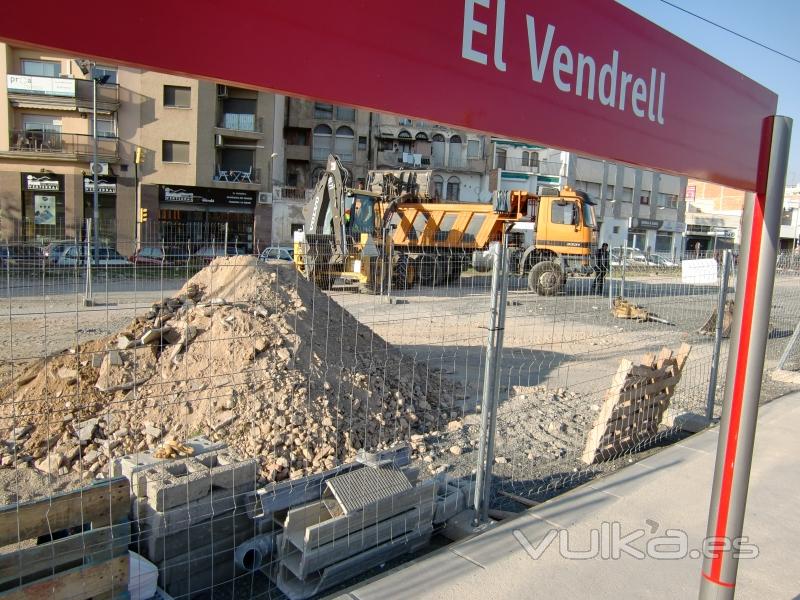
<point x="710" y="326"/>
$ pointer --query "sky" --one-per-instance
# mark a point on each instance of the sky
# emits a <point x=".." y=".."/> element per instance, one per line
<point x="775" y="23"/>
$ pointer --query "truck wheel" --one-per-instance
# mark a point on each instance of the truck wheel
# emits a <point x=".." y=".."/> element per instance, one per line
<point x="545" y="279"/>
<point x="428" y="269"/>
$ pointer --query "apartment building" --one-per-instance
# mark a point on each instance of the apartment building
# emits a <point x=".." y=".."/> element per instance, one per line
<point x="457" y="158"/>
<point x="46" y="147"/>
<point x="209" y="159"/>
<point x="642" y="209"/>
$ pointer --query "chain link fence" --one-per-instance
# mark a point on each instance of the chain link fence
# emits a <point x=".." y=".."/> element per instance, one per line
<point x="248" y="408"/>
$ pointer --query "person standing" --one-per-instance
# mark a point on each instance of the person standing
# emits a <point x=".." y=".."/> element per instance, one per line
<point x="601" y="269"/>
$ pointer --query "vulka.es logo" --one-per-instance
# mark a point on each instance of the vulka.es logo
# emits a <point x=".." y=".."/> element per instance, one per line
<point x="610" y="543"/>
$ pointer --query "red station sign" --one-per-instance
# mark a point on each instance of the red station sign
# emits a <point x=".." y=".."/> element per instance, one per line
<point x="592" y="77"/>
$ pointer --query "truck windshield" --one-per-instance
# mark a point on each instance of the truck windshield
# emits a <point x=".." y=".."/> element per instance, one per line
<point x="359" y="214"/>
<point x="588" y="215"/>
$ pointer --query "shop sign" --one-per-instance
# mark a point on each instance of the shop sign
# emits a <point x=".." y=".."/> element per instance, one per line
<point x="105" y="185"/>
<point x="48" y="86"/>
<point x="673" y="226"/>
<point x="206" y="196"/>
<point x="42" y="182"/>
<point x="649" y="223"/>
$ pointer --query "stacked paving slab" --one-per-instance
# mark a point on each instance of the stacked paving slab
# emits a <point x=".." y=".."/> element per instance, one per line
<point x="191" y="514"/>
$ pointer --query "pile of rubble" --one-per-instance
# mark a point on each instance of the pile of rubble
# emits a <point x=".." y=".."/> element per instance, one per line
<point x="248" y="353"/>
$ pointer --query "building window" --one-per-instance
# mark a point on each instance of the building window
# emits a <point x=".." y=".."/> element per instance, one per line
<point x="177" y="96"/>
<point x="362" y="142"/>
<point x="667" y="200"/>
<point x="664" y="243"/>
<point x="421" y="136"/>
<point x="627" y="194"/>
<point x="438" y="187"/>
<point x="174" y="151"/>
<point x="615" y="229"/>
<point x="343" y="146"/>
<point x="323" y="142"/>
<point x="404" y="121"/>
<point x="454" y="159"/>
<point x="473" y="149"/>
<point x="41" y="68"/>
<point x="323" y="111"/>
<point x="344" y="113"/>
<point x="105" y="127"/>
<point x="500" y="159"/>
<point x="41" y="123"/>
<point x="453" y="189"/>
<point x="644" y="197"/>
<point x="530" y="159"/>
<point x="636" y="239"/>
<point x="438" y="150"/>
<point x="110" y="73"/>
<point x="609" y="192"/>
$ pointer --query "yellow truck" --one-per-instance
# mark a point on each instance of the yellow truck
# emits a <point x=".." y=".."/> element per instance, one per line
<point x="363" y="238"/>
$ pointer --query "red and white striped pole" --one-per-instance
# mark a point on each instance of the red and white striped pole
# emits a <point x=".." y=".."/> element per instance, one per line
<point x="756" y="276"/>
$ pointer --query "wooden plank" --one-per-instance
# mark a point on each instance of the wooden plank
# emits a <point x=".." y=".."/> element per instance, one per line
<point x="663" y="357"/>
<point x="600" y="424"/>
<point x="102" y="504"/>
<point x="96" y="545"/>
<point x="77" y="584"/>
<point x="521" y="499"/>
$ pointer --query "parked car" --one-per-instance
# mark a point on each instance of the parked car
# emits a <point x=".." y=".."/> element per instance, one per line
<point x="21" y="257"/>
<point x="168" y="255"/>
<point x="55" y="249"/>
<point x="102" y="257"/>
<point x="633" y="257"/>
<point x="658" y="261"/>
<point x="209" y="253"/>
<point x="277" y="253"/>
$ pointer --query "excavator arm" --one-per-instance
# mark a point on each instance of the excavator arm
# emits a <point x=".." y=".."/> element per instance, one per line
<point x="326" y="216"/>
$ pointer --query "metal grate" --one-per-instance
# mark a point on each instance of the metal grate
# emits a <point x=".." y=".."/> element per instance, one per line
<point x="357" y="489"/>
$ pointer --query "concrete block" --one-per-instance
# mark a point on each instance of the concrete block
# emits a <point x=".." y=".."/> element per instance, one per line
<point x="224" y="531"/>
<point x="449" y="504"/>
<point x="129" y="465"/>
<point x="176" y="482"/>
<point x="175" y="520"/>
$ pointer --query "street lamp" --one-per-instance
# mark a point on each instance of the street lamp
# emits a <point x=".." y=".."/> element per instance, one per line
<point x="88" y="68"/>
<point x="272" y="158"/>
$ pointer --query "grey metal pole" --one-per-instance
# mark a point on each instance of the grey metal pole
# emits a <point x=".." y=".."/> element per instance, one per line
<point x="501" y="320"/>
<point x="225" y="250"/>
<point x="624" y="260"/>
<point x="721" y="301"/>
<point x="483" y="469"/>
<point x="95" y="166"/>
<point x="88" y="300"/>
<point x="761" y="226"/>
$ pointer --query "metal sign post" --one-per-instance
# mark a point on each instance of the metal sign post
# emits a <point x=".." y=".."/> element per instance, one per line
<point x="760" y="234"/>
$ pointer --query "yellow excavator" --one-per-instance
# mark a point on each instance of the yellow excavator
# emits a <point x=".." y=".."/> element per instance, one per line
<point x="370" y="239"/>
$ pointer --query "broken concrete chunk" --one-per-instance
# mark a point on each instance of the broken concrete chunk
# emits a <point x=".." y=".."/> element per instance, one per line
<point x="152" y="336"/>
<point x="125" y="343"/>
<point x="67" y="374"/>
<point x="85" y="430"/>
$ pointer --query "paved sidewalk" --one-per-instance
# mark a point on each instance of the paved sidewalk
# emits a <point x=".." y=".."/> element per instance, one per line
<point x="670" y="490"/>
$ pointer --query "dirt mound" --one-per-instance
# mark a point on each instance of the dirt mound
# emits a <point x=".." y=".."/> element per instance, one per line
<point x="248" y="353"/>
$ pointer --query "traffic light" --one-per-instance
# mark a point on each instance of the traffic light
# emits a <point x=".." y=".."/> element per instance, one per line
<point x="138" y="155"/>
<point x="142" y="215"/>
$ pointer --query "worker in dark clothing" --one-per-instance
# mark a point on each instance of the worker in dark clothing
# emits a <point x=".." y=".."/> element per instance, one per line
<point x="600" y="268"/>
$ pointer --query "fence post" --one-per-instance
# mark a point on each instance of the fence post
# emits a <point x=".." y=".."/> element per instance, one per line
<point x="87" y="297"/>
<point x="721" y="301"/>
<point x="622" y="277"/>
<point x="788" y="350"/>
<point x="491" y="382"/>
<point x="225" y="251"/>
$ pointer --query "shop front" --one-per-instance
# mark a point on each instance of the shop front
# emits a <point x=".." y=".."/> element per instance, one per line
<point x="107" y="207"/>
<point x="43" y="206"/>
<point x="196" y="217"/>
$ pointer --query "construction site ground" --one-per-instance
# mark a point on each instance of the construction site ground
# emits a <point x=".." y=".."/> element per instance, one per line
<point x="559" y="355"/>
<point x="496" y="565"/>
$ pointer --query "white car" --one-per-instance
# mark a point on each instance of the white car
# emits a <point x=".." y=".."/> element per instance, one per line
<point x="101" y="257"/>
<point x="277" y="253"/>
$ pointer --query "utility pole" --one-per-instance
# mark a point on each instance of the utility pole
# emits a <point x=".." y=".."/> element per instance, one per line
<point x="95" y="167"/>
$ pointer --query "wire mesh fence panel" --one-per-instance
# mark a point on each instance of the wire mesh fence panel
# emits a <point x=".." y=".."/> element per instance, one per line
<point x="269" y="421"/>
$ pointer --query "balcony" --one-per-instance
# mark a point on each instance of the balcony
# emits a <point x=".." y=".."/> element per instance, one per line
<point x="297" y="152"/>
<point x="244" y="177"/>
<point x="242" y="122"/>
<point x="49" y="145"/>
<point x="60" y="93"/>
